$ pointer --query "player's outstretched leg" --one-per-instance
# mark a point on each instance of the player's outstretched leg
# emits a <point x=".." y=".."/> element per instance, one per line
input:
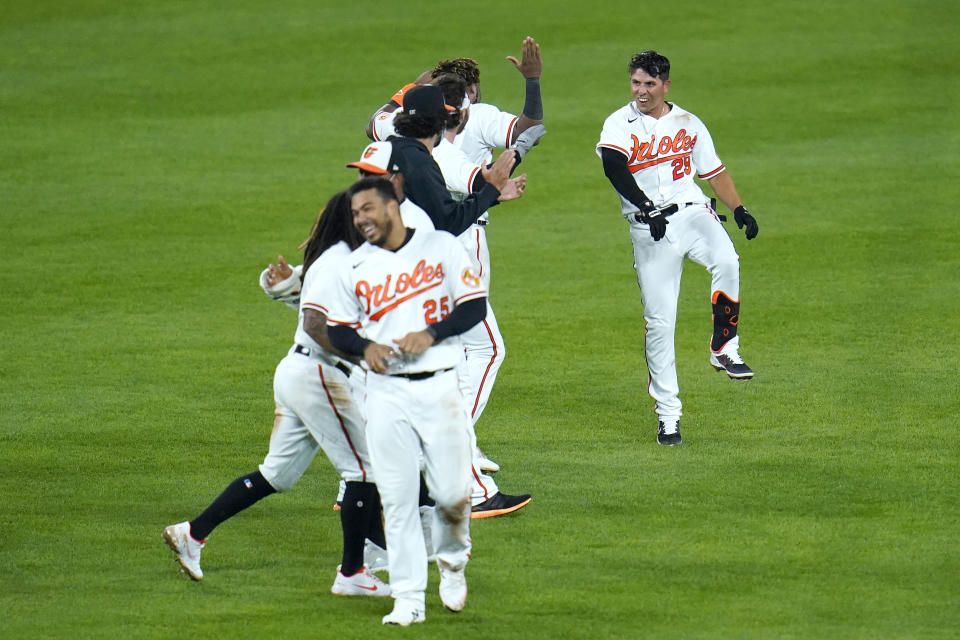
<point x="186" y="539"/>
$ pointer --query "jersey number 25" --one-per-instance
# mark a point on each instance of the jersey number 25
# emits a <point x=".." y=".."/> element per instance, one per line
<point x="430" y="310"/>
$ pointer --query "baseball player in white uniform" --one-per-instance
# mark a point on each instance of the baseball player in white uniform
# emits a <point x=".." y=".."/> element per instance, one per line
<point x="462" y="155"/>
<point x="651" y="152"/>
<point x="315" y="409"/>
<point x="407" y="292"/>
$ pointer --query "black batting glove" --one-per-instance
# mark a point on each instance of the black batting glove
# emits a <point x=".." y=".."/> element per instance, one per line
<point x="743" y="218"/>
<point x="652" y="217"/>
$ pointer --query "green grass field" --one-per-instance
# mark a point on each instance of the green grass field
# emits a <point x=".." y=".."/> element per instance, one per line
<point x="154" y="156"/>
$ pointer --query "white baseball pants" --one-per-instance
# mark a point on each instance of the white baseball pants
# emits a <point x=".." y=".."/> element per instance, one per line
<point x="405" y="417"/>
<point x="483" y="351"/>
<point x="315" y="409"/>
<point x="694" y="232"/>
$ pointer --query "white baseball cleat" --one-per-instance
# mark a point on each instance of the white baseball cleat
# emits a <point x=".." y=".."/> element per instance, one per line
<point x="375" y="557"/>
<point x="729" y="360"/>
<point x="185" y="549"/>
<point x="485" y="463"/>
<point x="453" y="587"/>
<point x="405" y="613"/>
<point x="362" y="583"/>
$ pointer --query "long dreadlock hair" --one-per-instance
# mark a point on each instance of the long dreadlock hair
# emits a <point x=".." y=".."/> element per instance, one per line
<point x="333" y="224"/>
<point x="466" y="68"/>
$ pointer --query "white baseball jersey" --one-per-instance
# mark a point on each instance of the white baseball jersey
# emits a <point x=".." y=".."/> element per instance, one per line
<point x="487" y="128"/>
<point x="662" y="154"/>
<point x="315" y="402"/>
<point x="458" y="171"/>
<point x="388" y="294"/>
<point x="414" y="217"/>
<point x="383" y="125"/>
<point x="322" y="270"/>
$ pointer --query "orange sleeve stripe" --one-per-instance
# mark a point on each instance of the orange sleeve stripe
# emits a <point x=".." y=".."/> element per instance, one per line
<point x="473" y="176"/>
<point x="614" y="147"/>
<point x="355" y="325"/>
<point x="470" y="296"/>
<point x="510" y="132"/>
<point x="318" y="307"/>
<point x="710" y="174"/>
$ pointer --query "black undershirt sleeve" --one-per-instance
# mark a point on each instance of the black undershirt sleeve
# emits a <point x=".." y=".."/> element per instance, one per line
<point x="347" y="340"/>
<point x="615" y="168"/>
<point x="463" y="317"/>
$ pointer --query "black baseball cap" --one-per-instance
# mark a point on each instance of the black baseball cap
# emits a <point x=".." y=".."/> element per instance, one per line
<point x="426" y="101"/>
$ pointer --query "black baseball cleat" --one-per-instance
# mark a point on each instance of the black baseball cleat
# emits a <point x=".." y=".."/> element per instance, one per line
<point x="732" y="364"/>
<point x="500" y="504"/>
<point x="669" y="436"/>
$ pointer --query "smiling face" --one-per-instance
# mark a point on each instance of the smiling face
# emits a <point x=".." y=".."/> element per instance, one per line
<point x="648" y="92"/>
<point x="377" y="219"/>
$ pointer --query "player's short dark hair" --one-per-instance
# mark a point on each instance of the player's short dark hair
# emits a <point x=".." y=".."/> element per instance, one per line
<point x="418" y="126"/>
<point x="333" y="224"/>
<point x="652" y="63"/>
<point x="454" y="90"/>
<point x="466" y="68"/>
<point x="379" y="184"/>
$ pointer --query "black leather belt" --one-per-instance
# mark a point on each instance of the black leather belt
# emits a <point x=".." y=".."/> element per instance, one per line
<point x="672" y="209"/>
<point x="420" y="375"/>
<point x="303" y="351"/>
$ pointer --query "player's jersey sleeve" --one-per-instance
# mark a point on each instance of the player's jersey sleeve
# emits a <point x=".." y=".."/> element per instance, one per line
<point x="462" y="280"/>
<point x="458" y="172"/>
<point x="705" y="159"/>
<point x="383" y="125"/>
<point x="323" y="271"/>
<point x="614" y="134"/>
<point x="334" y="295"/>
<point x="491" y="127"/>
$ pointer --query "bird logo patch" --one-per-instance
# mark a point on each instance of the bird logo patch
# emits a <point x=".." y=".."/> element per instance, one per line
<point x="470" y="278"/>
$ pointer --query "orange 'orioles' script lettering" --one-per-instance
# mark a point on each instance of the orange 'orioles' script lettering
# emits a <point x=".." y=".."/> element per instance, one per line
<point x="386" y="296"/>
<point x="642" y="153"/>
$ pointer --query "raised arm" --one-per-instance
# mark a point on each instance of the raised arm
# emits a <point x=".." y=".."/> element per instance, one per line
<point x="530" y="66"/>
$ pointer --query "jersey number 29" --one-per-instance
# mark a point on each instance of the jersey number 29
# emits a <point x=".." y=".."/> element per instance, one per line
<point x="681" y="167"/>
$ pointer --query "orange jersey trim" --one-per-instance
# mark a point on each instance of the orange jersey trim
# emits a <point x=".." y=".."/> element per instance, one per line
<point x="390" y="307"/>
<point x="615" y="148"/>
<point x="317" y="307"/>
<point x="710" y="174"/>
<point x="473" y="175"/>
<point x="510" y="132"/>
<point x="470" y="296"/>
<point x="355" y="325"/>
<point x="643" y="165"/>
